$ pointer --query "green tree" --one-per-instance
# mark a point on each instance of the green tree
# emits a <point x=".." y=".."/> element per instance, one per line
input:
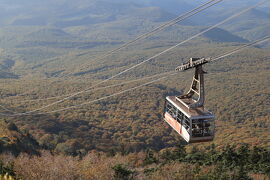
<point x="243" y="155"/>
<point x="229" y="157"/>
<point x="122" y="173"/>
<point x="7" y="169"/>
<point x="149" y="159"/>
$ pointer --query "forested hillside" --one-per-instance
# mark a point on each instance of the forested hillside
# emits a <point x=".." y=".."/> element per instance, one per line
<point x="243" y="162"/>
<point x="51" y="49"/>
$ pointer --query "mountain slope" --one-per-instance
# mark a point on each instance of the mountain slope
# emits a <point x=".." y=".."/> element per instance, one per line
<point x="253" y="25"/>
<point x="237" y="92"/>
<point x="220" y="35"/>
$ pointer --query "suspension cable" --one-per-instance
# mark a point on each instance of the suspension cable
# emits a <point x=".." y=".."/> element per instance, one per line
<point x="171" y="73"/>
<point x="162" y="27"/>
<point x="96" y="89"/>
<point x="159" y="54"/>
<point x="208" y="29"/>
<point x="148" y="34"/>
<point x="242" y="47"/>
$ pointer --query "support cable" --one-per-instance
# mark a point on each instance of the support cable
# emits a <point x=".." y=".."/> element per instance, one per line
<point x="162" y="27"/>
<point x="148" y="34"/>
<point x="171" y="73"/>
<point x="163" y="52"/>
<point x="96" y="89"/>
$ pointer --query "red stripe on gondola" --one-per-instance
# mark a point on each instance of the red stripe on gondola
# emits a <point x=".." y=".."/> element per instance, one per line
<point x="173" y="123"/>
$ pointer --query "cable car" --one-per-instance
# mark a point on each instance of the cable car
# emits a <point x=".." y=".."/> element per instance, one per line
<point x="186" y="113"/>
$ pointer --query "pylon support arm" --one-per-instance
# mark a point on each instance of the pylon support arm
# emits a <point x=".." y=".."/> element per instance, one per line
<point x="197" y="85"/>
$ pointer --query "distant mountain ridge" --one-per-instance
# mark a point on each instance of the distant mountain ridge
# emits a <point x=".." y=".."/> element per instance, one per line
<point x="36" y="29"/>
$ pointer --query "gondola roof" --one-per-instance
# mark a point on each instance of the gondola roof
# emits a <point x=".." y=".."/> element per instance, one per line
<point x="196" y="113"/>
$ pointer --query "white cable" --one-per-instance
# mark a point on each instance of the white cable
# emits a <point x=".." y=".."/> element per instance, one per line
<point x="242" y="47"/>
<point x="131" y="81"/>
<point x="222" y="22"/>
<point x="157" y="29"/>
<point x="105" y="87"/>
<point x="96" y="100"/>
<point x="121" y="92"/>
<point x="6" y="109"/>
<point x="159" y="54"/>
<point x="162" y="27"/>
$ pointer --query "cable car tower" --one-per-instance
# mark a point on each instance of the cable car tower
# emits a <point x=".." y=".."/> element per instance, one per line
<point x="186" y="113"/>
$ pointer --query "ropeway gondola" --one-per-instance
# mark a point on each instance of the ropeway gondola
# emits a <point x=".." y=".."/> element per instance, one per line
<point x="186" y="113"/>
